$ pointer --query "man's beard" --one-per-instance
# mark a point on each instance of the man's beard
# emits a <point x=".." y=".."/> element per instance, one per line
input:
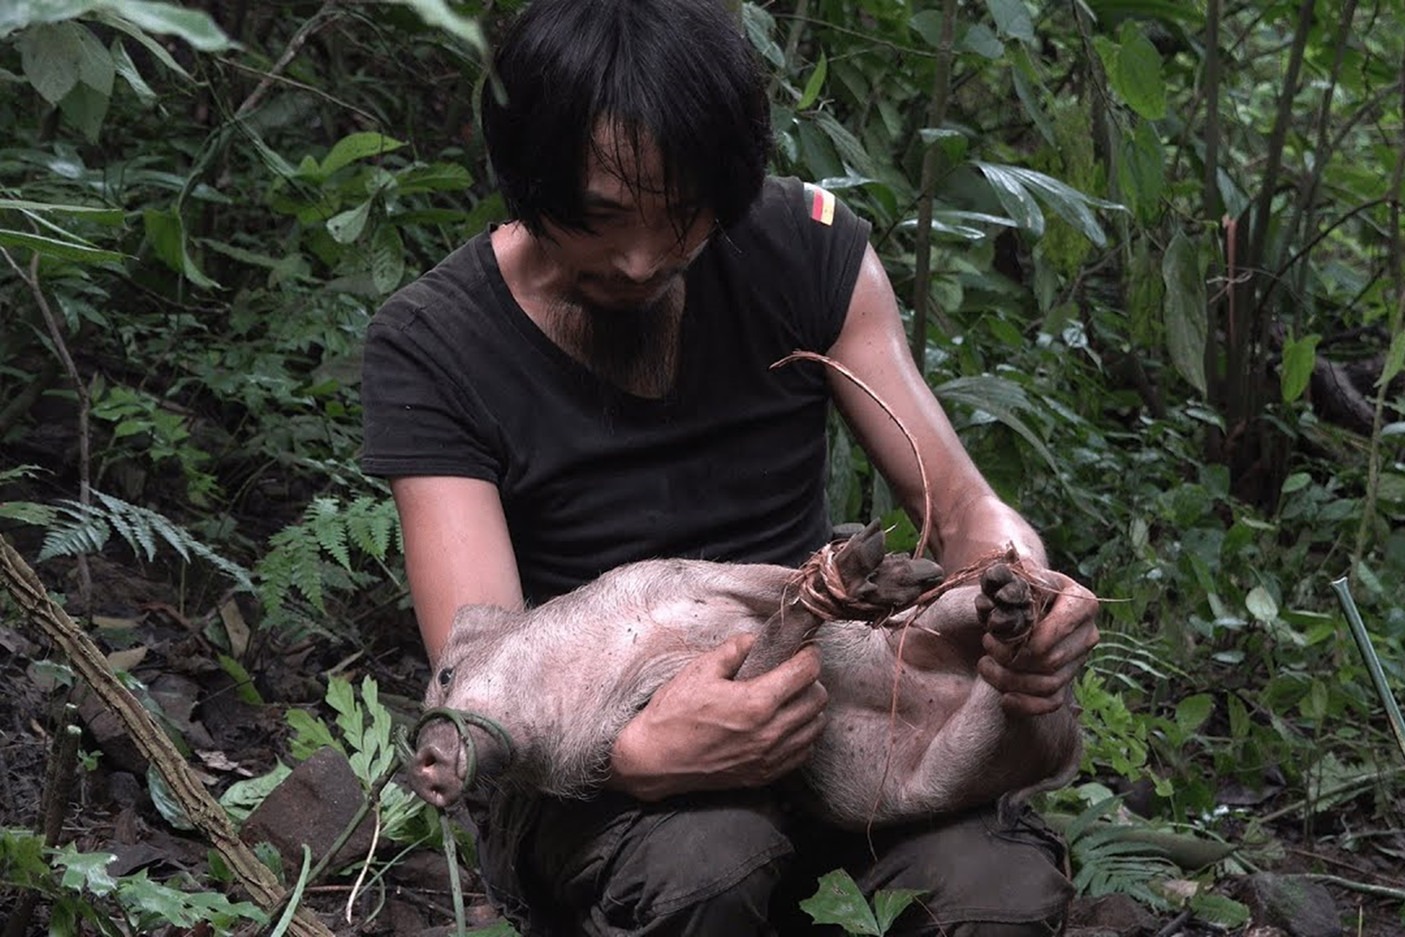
<point x="635" y="348"/>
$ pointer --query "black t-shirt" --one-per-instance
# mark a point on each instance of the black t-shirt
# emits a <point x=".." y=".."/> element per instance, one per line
<point x="730" y="465"/>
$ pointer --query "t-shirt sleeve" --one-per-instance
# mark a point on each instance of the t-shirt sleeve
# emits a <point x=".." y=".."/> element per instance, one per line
<point x="418" y="416"/>
<point x="835" y="239"/>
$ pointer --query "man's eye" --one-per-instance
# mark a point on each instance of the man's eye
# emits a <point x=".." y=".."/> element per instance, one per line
<point x="446" y="676"/>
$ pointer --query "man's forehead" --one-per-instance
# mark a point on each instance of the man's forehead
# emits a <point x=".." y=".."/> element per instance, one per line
<point x="622" y="163"/>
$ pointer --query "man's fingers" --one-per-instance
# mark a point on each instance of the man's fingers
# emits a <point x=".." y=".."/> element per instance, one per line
<point x="726" y="659"/>
<point x="1025" y="683"/>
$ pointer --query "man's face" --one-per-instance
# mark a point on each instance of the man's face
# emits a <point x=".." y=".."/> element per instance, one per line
<point x="638" y="246"/>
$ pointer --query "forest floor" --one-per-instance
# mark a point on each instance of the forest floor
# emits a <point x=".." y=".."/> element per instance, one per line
<point x="146" y="629"/>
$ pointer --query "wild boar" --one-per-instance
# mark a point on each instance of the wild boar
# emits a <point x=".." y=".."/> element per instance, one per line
<point x="911" y="730"/>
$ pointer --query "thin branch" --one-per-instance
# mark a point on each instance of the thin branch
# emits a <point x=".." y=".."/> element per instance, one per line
<point x="922" y="252"/>
<point x="319" y="20"/>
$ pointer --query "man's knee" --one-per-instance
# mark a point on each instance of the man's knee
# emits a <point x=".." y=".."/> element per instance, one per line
<point x="977" y="878"/>
<point x="706" y="867"/>
<point x="703" y="865"/>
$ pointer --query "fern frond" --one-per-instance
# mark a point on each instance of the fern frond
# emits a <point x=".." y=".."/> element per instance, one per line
<point x="324" y="516"/>
<point x="369" y="524"/>
<point x="80" y="534"/>
<point x="92" y="525"/>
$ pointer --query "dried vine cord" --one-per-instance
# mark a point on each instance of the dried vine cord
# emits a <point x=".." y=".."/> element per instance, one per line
<point x="858" y="382"/>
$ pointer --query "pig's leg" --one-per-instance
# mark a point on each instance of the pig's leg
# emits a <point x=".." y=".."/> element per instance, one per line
<point x="980" y="749"/>
<point x="870" y="584"/>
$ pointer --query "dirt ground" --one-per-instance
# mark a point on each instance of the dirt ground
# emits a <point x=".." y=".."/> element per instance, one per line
<point x="140" y="625"/>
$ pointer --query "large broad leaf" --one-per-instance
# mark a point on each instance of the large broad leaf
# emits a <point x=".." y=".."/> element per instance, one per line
<point x="1001" y="399"/>
<point x="839" y="901"/>
<point x="1016" y="186"/>
<point x="52" y="58"/>
<point x="124" y="66"/>
<point x="1134" y="69"/>
<point x="357" y="146"/>
<point x="53" y="247"/>
<point x="1183" y="271"/>
<point x="440" y="14"/>
<point x="168" y="19"/>
<point x="166" y="232"/>
<point x="1143" y="171"/>
<point x="96" y="213"/>
<point x="1012" y="19"/>
<point x="347" y="226"/>
<point x="19" y="14"/>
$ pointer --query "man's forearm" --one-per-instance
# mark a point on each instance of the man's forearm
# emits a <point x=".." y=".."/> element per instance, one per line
<point x="978" y="526"/>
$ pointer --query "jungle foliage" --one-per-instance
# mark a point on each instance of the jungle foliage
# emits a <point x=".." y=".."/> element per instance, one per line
<point x="1150" y="255"/>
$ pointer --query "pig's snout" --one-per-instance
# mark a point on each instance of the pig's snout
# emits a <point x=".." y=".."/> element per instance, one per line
<point x="436" y="774"/>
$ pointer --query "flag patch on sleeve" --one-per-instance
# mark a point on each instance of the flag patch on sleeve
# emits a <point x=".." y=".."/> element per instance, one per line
<point x="821" y="204"/>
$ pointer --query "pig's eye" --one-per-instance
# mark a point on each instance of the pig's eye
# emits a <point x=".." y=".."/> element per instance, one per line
<point x="446" y="676"/>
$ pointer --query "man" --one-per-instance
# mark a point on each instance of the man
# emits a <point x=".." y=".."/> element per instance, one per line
<point x="589" y="385"/>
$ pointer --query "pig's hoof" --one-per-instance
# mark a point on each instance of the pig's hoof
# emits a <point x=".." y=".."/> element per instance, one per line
<point x="1005" y="605"/>
<point x="879" y="580"/>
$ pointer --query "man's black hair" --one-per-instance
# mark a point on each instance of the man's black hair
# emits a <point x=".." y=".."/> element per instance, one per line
<point x="677" y="74"/>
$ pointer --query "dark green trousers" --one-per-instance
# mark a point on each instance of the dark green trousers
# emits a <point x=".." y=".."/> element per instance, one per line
<point x="740" y="862"/>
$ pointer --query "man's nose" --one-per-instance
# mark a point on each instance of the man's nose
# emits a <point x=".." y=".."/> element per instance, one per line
<point x="642" y="259"/>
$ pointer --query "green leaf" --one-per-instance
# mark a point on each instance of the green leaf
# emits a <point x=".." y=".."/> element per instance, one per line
<point x="979" y="39"/>
<point x="309" y="734"/>
<point x="88" y="212"/>
<point x="760" y="26"/>
<point x="1018" y="203"/>
<point x="95" y="67"/>
<point x="357" y="146"/>
<point x="347" y="226"/>
<point x="166" y="19"/>
<point x="928" y="25"/>
<point x="243" y="796"/>
<point x="164" y="801"/>
<point x="52" y="58"/>
<point x="1261" y="605"/>
<point x="1067" y="202"/>
<point x="1183" y="271"/>
<point x="1136" y="73"/>
<point x="1012" y="19"/>
<point x="1143" y="171"/>
<point x="85" y="870"/>
<point x="1192" y="711"/>
<point x="435" y="177"/>
<point x="124" y="66"/>
<point x="888" y="903"/>
<point x="166" y="232"/>
<point x="839" y="901"/>
<point x="439" y="14"/>
<point x="813" y="86"/>
<point x="18" y="14"/>
<point x="157" y="50"/>
<point x="387" y="259"/>
<point x="1394" y="360"/>
<point x="1001" y="398"/>
<point x="243" y="683"/>
<point x="1299" y="357"/>
<point x="85" y="107"/>
<point x="1225" y="913"/>
<point x="52" y="247"/>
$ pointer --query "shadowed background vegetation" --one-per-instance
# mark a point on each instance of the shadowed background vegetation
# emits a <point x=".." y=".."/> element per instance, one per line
<point x="1149" y="253"/>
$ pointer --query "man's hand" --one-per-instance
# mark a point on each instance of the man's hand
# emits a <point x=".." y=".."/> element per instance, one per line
<point x="703" y="730"/>
<point x="1035" y="676"/>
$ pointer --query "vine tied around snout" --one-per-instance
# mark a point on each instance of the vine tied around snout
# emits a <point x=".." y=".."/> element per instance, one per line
<point x="462" y="719"/>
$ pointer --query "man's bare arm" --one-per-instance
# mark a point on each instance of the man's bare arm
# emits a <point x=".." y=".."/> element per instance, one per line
<point x="969" y="519"/>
